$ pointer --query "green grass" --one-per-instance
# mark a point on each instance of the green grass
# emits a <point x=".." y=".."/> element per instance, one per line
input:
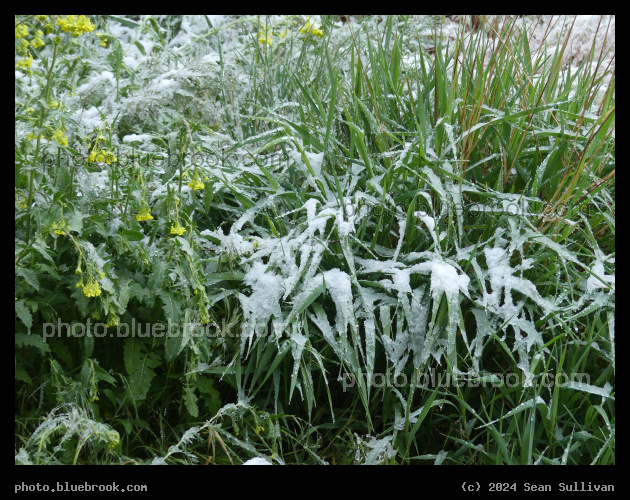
<point x="324" y="150"/>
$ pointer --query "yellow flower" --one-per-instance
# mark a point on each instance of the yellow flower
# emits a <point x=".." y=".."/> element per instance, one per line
<point x="37" y="42"/>
<point x="177" y="229"/>
<point x="109" y="157"/>
<point x="60" y="227"/>
<point x="26" y="62"/>
<point x="112" y="320"/>
<point x="309" y="28"/>
<point x="265" y="39"/>
<point x="77" y="25"/>
<point x="92" y="289"/>
<point x="52" y="104"/>
<point x="92" y="157"/>
<point x="283" y="33"/>
<point x="196" y="184"/>
<point x="21" y="31"/>
<point x="42" y="18"/>
<point x="60" y="137"/>
<point x="144" y="213"/>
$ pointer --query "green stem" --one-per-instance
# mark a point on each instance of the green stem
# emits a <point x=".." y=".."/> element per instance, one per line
<point x="31" y="187"/>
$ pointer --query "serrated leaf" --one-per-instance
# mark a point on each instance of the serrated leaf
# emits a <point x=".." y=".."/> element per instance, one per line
<point x="29" y="275"/>
<point x="140" y="367"/>
<point x="76" y="222"/>
<point x="190" y="400"/>
<point x="171" y="306"/>
<point x="24" y="314"/>
<point x="22" y="339"/>
<point x="185" y="246"/>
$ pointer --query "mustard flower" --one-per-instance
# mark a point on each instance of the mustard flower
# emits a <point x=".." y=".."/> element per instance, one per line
<point x="109" y="157"/>
<point x="144" y="213"/>
<point x="77" y="25"/>
<point x="177" y="229"/>
<point x="60" y="227"/>
<point x="60" y="137"/>
<point x="37" y="41"/>
<point x="92" y="289"/>
<point x="21" y="31"/>
<point x="196" y="184"/>
<point x="309" y="28"/>
<point x="264" y="38"/>
<point x="26" y="62"/>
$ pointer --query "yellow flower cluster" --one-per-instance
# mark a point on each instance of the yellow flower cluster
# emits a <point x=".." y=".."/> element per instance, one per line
<point x="310" y="28"/>
<point x="177" y="229"/>
<point x="196" y="184"/>
<point x="265" y="38"/>
<point x="21" y="31"/>
<point x="77" y="25"/>
<point x="60" y="137"/>
<point x="37" y="41"/>
<point x="92" y="289"/>
<point x="60" y="227"/>
<point x="112" y="320"/>
<point x="144" y="214"/>
<point x="22" y="45"/>
<point x="26" y="62"/>
<point x="100" y="156"/>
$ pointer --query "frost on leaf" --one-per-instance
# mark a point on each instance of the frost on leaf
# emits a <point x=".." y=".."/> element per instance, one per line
<point x="264" y="301"/>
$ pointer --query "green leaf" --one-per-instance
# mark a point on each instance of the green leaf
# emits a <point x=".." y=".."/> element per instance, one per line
<point x="29" y="276"/>
<point x="22" y="339"/>
<point x="185" y="246"/>
<point x="131" y="235"/>
<point x="140" y="367"/>
<point x="125" y="22"/>
<point x="190" y="400"/>
<point x="24" y="314"/>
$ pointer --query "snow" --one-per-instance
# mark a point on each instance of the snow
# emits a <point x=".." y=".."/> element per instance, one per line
<point x="338" y="284"/>
<point x="257" y="461"/>
<point x="594" y="284"/>
<point x="444" y="278"/>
